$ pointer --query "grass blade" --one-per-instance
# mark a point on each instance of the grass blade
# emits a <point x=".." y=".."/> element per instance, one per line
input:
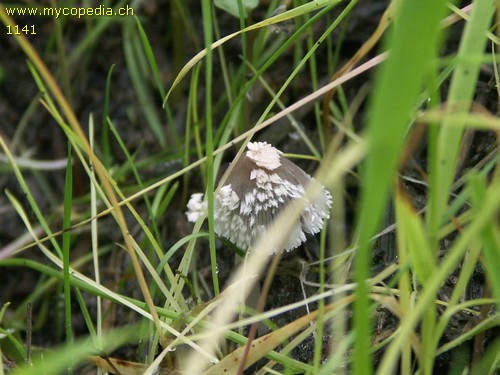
<point x="416" y="32"/>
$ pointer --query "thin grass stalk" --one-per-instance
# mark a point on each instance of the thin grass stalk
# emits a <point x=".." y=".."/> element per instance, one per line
<point x="245" y="48"/>
<point x="318" y="344"/>
<point x="206" y="8"/>
<point x="153" y="65"/>
<point x="163" y="198"/>
<point x="338" y="274"/>
<point x="193" y="122"/>
<point x="260" y="42"/>
<point x="404" y="286"/>
<point x="25" y="122"/>
<point x="148" y="50"/>
<point x="135" y="63"/>
<point x="66" y="247"/>
<point x="405" y="299"/>
<point x="106" y="147"/>
<point x="83" y="283"/>
<point x="61" y="54"/>
<point x="229" y="82"/>
<point x="294" y="123"/>
<point x="248" y="56"/>
<point x="453" y="306"/>
<point x="82" y="303"/>
<point x="423" y="264"/>
<point x="88" y="43"/>
<point x="313" y="71"/>
<point x="490" y="238"/>
<point x="95" y="242"/>
<point x="135" y="172"/>
<point x="432" y="152"/>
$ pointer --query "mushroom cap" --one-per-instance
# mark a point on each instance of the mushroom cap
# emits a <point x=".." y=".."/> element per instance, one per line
<point x="196" y="207"/>
<point x="261" y="184"/>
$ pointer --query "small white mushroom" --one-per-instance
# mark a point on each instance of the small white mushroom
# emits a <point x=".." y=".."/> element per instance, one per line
<point x="260" y="185"/>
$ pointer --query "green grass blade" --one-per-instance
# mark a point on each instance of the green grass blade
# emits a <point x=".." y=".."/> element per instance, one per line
<point x="419" y="249"/>
<point x="156" y="74"/>
<point x="462" y="87"/>
<point x="206" y="7"/>
<point x="66" y="247"/>
<point x="416" y="32"/>
<point x="106" y="147"/>
<point x="94" y="232"/>
<point x="423" y="263"/>
<point x="490" y="238"/>
<point x="135" y="63"/>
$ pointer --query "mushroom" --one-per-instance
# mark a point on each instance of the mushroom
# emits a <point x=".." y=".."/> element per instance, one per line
<point x="261" y="183"/>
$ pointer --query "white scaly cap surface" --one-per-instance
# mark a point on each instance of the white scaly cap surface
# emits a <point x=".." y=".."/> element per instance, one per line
<point x="258" y="188"/>
<point x="196" y="207"/>
<point x="264" y="155"/>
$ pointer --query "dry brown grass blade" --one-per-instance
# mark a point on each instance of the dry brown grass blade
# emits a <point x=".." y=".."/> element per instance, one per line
<point x="119" y="366"/>
<point x="263" y="345"/>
